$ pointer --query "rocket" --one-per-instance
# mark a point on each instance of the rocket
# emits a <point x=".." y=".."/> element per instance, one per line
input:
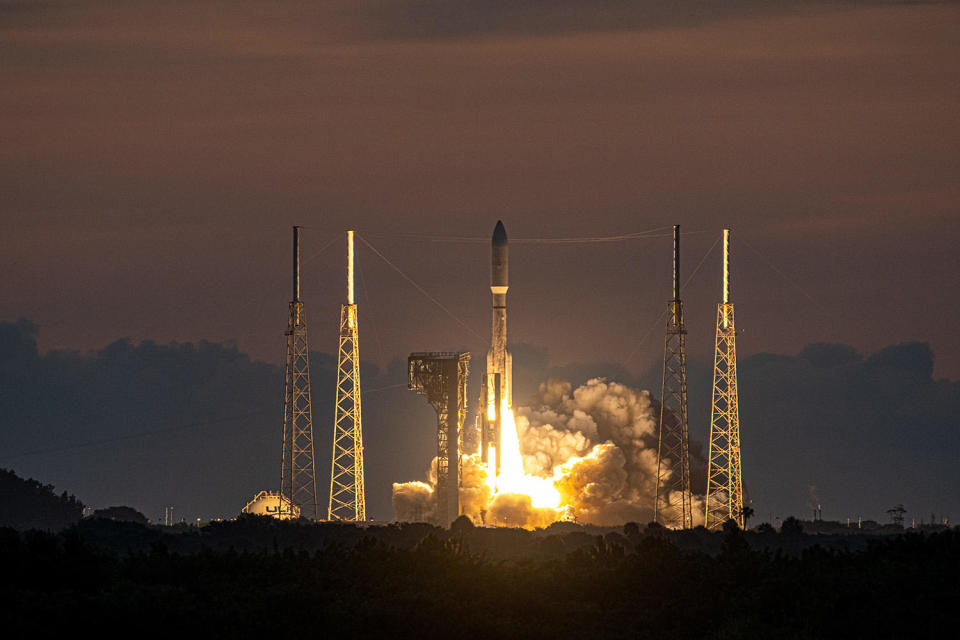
<point x="498" y="381"/>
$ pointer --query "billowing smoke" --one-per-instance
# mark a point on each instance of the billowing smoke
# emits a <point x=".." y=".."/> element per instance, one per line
<point x="413" y="501"/>
<point x="517" y="510"/>
<point x="596" y="442"/>
<point x="602" y="435"/>
<point x="474" y="489"/>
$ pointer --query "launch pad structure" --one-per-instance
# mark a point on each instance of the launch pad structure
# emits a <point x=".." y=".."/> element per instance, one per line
<point x="442" y="378"/>
<point x="298" y="480"/>
<point x="673" y="503"/>
<point x="724" y="499"/>
<point x="347" y="488"/>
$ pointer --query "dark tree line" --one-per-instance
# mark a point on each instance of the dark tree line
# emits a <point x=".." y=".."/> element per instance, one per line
<point x="28" y="504"/>
<point x="262" y="578"/>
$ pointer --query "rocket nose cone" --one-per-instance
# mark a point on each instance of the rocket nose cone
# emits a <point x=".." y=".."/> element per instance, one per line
<point x="499" y="233"/>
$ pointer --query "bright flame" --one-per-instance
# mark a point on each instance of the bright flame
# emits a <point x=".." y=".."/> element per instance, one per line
<point x="512" y="477"/>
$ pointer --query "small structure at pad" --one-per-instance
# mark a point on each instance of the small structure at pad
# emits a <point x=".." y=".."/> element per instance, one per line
<point x="272" y="503"/>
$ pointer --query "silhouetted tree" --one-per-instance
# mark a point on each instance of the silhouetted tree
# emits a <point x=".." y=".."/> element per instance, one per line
<point x="791" y="527"/>
<point x="734" y="544"/>
<point x="121" y="514"/>
<point x="28" y="504"/>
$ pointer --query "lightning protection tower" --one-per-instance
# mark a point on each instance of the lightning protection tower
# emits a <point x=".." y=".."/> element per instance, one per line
<point x="442" y="378"/>
<point x="298" y="482"/>
<point x="724" y="483"/>
<point x="673" y="504"/>
<point x="347" y="500"/>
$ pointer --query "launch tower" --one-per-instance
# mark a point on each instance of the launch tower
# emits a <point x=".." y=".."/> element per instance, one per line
<point x="442" y="378"/>
<point x="673" y="504"/>
<point x="724" y="482"/>
<point x="347" y="499"/>
<point x="298" y="482"/>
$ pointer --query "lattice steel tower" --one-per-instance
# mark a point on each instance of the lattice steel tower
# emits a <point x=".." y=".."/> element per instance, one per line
<point x="298" y="482"/>
<point x="724" y="482"/>
<point x="442" y="378"/>
<point x="347" y="500"/>
<point x="672" y="507"/>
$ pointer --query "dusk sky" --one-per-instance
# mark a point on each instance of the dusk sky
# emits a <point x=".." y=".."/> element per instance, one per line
<point x="154" y="155"/>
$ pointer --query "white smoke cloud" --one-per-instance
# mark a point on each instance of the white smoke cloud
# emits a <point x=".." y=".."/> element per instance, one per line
<point x="671" y="510"/>
<point x="570" y="423"/>
<point x="413" y="501"/>
<point x="517" y="510"/>
<point x="474" y="488"/>
<point x="598" y="444"/>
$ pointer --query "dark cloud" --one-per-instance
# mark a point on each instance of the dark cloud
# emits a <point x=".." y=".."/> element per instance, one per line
<point x="197" y="425"/>
<point x="437" y="18"/>
<point x="342" y="20"/>
<point x="867" y="432"/>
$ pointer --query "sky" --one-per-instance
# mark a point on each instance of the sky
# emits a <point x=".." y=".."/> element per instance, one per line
<point x="154" y="155"/>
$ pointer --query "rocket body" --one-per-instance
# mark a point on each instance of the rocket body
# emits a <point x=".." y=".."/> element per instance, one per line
<point x="498" y="385"/>
<point x="499" y="359"/>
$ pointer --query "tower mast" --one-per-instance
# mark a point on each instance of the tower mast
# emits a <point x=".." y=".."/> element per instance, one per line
<point x="672" y="507"/>
<point x="298" y="482"/>
<point x="347" y="499"/>
<point x="724" y="499"/>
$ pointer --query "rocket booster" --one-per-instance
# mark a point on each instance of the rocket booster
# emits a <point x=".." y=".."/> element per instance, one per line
<point x="499" y="359"/>
<point x="497" y="386"/>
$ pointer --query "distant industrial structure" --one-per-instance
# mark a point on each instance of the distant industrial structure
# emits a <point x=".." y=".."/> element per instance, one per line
<point x="347" y="493"/>
<point x="673" y="502"/>
<point x="724" y="499"/>
<point x="442" y="378"/>
<point x="298" y="481"/>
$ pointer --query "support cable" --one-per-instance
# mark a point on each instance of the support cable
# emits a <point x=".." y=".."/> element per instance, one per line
<point x="139" y="434"/>
<point x="663" y="314"/>
<point x="373" y="325"/>
<point x="783" y="275"/>
<point x="638" y="235"/>
<point x="421" y="289"/>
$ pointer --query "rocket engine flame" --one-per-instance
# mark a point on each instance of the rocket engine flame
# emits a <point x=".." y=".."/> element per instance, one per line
<point x="513" y="478"/>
